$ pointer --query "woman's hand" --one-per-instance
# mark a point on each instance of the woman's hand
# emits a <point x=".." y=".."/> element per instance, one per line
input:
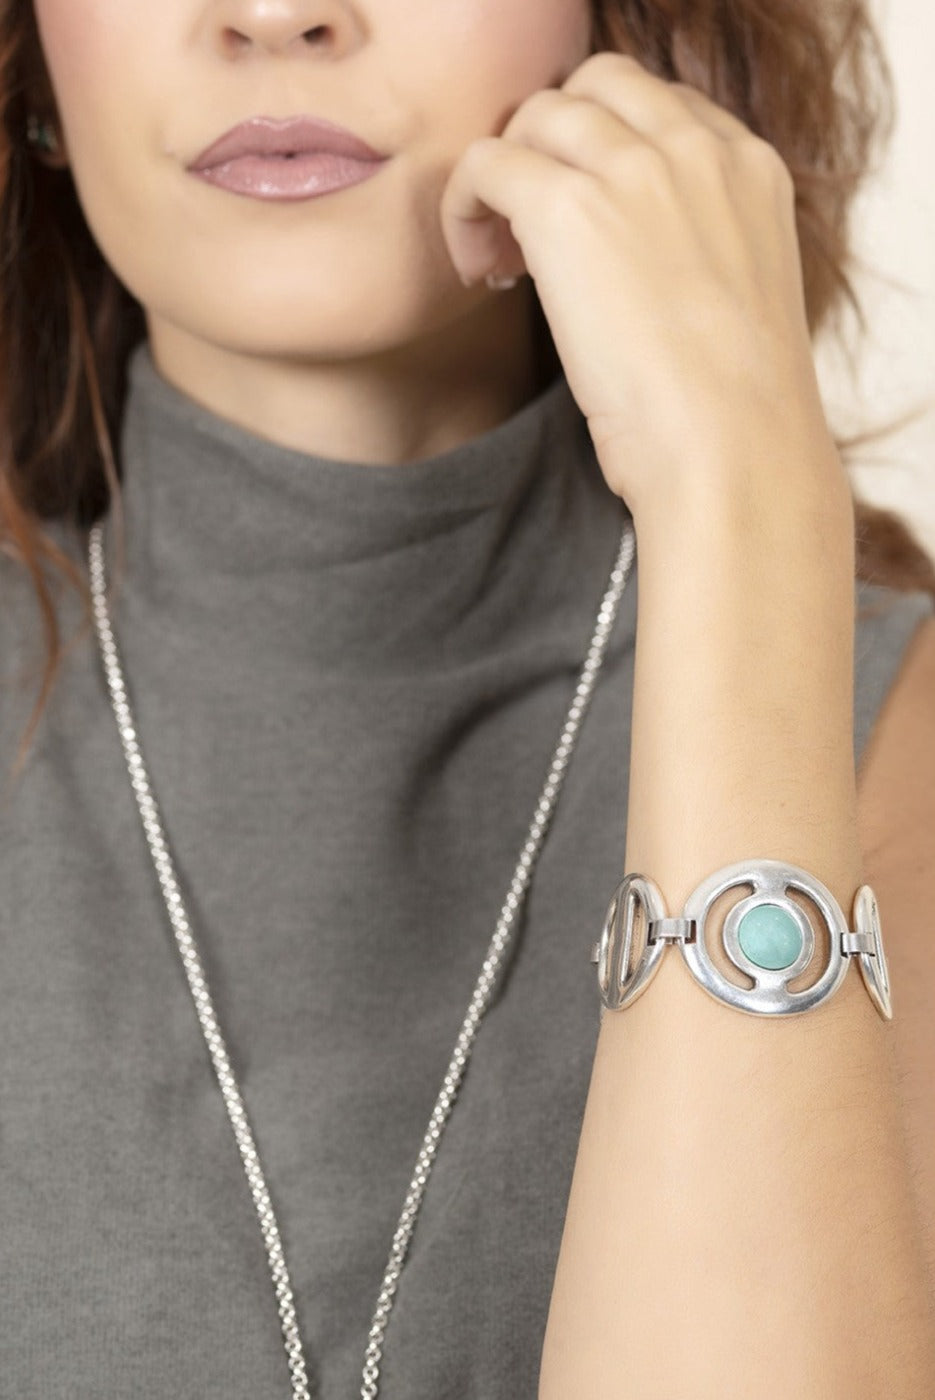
<point x="660" y="233"/>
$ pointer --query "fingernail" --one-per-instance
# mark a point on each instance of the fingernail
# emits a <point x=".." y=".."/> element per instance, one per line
<point x="500" y="284"/>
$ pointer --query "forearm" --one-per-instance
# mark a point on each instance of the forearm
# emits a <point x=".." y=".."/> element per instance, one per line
<point x="740" y="1224"/>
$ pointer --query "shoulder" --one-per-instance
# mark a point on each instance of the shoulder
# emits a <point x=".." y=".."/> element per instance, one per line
<point x="18" y="611"/>
<point x="900" y="746"/>
<point x="896" y="772"/>
<point x="24" y="638"/>
<point x="21" y="617"/>
<point x="886" y="622"/>
<point x="896" y="775"/>
<point x="20" y="632"/>
<point x="14" y="600"/>
<point x="896" y="816"/>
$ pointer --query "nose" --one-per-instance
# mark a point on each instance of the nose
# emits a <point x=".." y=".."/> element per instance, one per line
<point x="285" y="26"/>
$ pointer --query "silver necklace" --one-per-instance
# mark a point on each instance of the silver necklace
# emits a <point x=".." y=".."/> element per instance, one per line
<point x="480" y="997"/>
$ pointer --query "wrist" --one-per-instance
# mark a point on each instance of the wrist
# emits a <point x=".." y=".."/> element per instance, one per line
<point x="776" y="546"/>
<point x="749" y="474"/>
<point x="744" y="653"/>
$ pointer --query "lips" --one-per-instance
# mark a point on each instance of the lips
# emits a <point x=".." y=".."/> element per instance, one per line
<point x="289" y="177"/>
<point x="284" y="137"/>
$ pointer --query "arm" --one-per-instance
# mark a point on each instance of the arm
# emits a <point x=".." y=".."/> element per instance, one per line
<point x="741" y="1223"/>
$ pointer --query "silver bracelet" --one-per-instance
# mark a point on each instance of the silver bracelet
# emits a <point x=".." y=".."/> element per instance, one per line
<point x="766" y="935"/>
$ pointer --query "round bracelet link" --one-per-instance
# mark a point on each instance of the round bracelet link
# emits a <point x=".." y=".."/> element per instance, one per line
<point x="767" y="935"/>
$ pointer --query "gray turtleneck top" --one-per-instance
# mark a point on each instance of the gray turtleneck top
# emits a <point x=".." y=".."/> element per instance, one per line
<point x="349" y="682"/>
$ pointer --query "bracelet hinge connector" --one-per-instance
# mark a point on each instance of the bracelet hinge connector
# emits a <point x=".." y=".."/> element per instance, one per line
<point x="852" y="943"/>
<point x="671" y="931"/>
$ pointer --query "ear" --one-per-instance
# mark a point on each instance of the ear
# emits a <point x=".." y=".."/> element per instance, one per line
<point x="38" y="95"/>
<point x="56" y="159"/>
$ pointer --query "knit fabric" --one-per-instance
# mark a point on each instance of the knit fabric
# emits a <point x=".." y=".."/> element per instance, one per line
<point x="349" y="681"/>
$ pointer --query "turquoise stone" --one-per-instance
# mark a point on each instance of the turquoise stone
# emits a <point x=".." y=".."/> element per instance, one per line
<point x="770" y="936"/>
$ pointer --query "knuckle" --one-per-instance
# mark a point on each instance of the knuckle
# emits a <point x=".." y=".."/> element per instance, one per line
<point x="689" y="91"/>
<point x="574" y="116"/>
<point x="764" y="156"/>
<point x="604" y="63"/>
<point x="542" y="100"/>
<point x="551" y="122"/>
<point x="643" y="162"/>
<point x="575" y="189"/>
<point x="697" y="141"/>
<point x="569" y="200"/>
<point x="478" y="150"/>
<point x="524" y="116"/>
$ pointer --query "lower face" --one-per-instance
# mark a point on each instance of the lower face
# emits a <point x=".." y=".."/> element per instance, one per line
<point x="360" y="270"/>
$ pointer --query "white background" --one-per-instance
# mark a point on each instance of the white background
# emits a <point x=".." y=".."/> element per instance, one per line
<point x="894" y="230"/>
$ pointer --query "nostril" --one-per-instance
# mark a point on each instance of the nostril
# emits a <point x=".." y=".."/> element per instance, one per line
<point x="234" y="41"/>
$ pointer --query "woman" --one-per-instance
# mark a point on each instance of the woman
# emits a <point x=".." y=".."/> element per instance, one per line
<point x="366" y="441"/>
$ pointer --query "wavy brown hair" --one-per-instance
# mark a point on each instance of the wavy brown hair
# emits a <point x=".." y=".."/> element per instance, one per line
<point x="811" y="76"/>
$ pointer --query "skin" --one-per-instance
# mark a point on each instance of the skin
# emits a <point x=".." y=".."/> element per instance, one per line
<point x="661" y="239"/>
<point x="338" y="325"/>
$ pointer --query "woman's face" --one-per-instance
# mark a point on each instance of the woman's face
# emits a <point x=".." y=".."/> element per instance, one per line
<point x="142" y="88"/>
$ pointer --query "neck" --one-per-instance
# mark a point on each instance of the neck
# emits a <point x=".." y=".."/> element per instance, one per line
<point x="293" y="561"/>
<point x="395" y="405"/>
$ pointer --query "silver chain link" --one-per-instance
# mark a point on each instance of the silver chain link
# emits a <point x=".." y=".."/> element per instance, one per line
<point x="480" y="998"/>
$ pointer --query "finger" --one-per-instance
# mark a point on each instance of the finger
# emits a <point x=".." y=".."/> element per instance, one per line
<point x="649" y="104"/>
<point x="577" y="131"/>
<point x="495" y="188"/>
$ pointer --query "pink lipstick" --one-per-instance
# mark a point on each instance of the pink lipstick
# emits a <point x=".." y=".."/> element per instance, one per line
<point x="287" y="159"/>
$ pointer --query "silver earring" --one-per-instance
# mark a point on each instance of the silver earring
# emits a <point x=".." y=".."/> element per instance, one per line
<point x="41" y="134"/>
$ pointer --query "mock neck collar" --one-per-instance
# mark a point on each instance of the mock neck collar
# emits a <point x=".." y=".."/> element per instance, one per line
<point x="233" y="538"/>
